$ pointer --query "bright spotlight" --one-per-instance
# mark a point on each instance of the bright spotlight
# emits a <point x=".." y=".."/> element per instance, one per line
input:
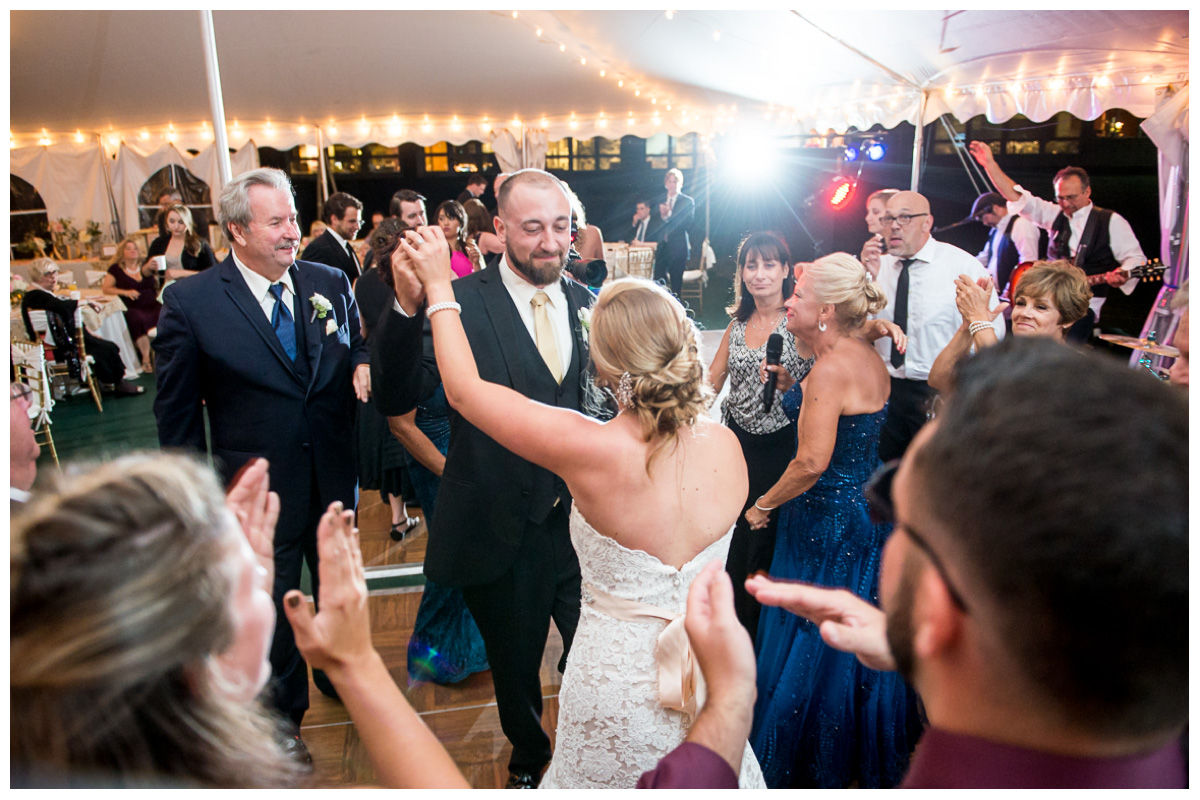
<point x="851" y="153"/>
<point x="842" y="191"/>
<point x="876" y="151"/>
<point x="748" y="157"/>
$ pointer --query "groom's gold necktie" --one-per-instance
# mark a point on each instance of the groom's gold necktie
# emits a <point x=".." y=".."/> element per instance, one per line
<point x="543" y="333"/>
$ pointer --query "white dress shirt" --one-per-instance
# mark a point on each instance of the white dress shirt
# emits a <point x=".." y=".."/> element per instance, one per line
<point x="1024" y="235"/>
<point x="933" y="315"/>
<point x="1124" y="244"/>
<point x="260" y="287"/>
<point x="522" y="291"/>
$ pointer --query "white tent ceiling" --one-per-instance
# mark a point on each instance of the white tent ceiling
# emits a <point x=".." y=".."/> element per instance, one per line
<point x="423" y="76"/>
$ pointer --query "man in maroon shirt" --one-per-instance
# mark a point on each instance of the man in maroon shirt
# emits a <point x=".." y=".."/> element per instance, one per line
<point x="1036" y="583"/>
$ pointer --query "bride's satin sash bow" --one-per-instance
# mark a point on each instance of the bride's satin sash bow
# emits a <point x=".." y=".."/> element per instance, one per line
<point x="680" y="684"/>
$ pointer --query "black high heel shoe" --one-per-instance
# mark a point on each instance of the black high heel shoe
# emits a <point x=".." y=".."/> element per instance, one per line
<point x="399" y="534"/>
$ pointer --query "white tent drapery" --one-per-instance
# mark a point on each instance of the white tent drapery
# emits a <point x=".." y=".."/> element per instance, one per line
<point x="70" y="179"/>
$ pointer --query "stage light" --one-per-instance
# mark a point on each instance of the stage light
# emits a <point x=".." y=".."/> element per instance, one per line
<point x="748" y="157"/>
<point x="842" y="191"/>
<point x="851" y="153"/>
<point x="876" y="151"/>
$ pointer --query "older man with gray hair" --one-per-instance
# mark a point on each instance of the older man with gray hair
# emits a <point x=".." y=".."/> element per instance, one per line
<point x="271" y="347"/>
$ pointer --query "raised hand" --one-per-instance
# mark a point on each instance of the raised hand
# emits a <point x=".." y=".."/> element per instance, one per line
<point x="982" y="153"/>
<point x="846" y="621"/>
<point x="972" y="298"/>
<point x="429" y="254"/>
<point x="409" y="291"/>
<point x="339" y="635"/>
<point x="256" y="508"/>
<point x="872" y="249"/>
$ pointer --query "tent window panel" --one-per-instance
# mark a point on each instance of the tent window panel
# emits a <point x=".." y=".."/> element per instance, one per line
<point x="684" y="144"/>
<point x="657" y="145"/>
<point x="1067" y="126"/>
<point x="585" y="164"/>
<point x="943" y="148"/>
<point x="683" y="162"/>
<point x="657" y="162"/>
<point x="1116" y="124"/>
<point x="585" y="147"/>
<point x="609" y="163"/>
<point x="1022" y="148"/>
<point x="608" y="147"/>
<point x="437" y="164"/>
<point x="1060" y="147"/>
<point x="558" y="162"/>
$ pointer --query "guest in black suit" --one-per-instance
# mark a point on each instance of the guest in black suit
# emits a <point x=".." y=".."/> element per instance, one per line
<point x="677" y="212"/>
<point x="343" y="218"/>
<point x="272" y="348"/>
<point x="476" y="186"/>
<point x="644" y="227"/>
<point x="499" y="530"/>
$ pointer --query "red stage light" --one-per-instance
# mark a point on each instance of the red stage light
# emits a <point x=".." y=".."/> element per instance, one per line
<point x="843" y="191"/>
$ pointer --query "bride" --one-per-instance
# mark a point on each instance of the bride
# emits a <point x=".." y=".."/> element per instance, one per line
<point x="656" y="493"/>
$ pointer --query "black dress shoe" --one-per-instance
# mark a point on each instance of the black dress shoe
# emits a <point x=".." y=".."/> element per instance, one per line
<point x="322" y="682"/>
<point x="520" y="779"/>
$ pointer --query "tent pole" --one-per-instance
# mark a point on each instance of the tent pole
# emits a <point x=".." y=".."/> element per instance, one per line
<point x="214" y="96"/>
<point x="115" y="227"/>
<point x="323" y="187"/>
<point x="918" y="141"/>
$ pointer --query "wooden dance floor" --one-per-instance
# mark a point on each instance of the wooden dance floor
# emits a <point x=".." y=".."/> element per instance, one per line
<point x="462" y="716"/>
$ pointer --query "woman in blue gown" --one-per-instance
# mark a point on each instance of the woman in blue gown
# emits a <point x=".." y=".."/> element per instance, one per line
<point x="823" y="719"/>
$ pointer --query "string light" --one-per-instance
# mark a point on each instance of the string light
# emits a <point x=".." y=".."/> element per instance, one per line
<point x="601" y="73"/>
<point x="332" y="129"/>
<point x="637" y="92"/>
<point x="670" y="15"/>
<point x="716" y="36"/>
<point x="514" y="14"/>
<point x="583" y="61"/>
<point x="538" y="33"/>
<point x="144" y="135"/>
<point x="620" y="84"/>
<point x="78" y="136"/>
<point x="302" y="129"/>
<point x="562" y="48"/>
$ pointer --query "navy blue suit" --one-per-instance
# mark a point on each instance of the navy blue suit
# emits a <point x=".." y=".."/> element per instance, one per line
<point x="674" y="246"/>
<point x="215" y="345"/>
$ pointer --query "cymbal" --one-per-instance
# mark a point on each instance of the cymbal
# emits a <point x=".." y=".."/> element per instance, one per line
<point x="1145" y="345"/>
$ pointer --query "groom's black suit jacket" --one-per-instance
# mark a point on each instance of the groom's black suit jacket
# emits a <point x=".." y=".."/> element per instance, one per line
<point x="488" y="495"/>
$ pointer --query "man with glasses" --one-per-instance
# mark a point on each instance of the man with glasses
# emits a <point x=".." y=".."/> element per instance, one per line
<point x="1097" y="240"/>
<point x="343" y="218"/>
<point x="1041" y="615"/>
<point x="917" y="274"/>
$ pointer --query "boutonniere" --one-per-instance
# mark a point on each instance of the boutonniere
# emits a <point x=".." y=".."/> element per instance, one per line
<point x="321" y="306"/>
<point x="585" y="322"/>
<point x="331" y="327"/>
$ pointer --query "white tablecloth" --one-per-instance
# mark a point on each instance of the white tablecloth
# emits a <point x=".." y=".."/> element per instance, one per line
<point x="111" y="327"/>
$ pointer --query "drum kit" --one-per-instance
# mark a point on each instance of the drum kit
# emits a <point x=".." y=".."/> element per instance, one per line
<point x="1148" y="347"/>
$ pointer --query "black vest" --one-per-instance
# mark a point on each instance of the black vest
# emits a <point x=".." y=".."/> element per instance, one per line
<point x="1098" y="256"/>
<point x="1007" y="256"/>
<point x="547" y="487"/>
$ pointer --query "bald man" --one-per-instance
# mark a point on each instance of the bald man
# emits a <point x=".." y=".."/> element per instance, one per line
<point x="917" y="274"/>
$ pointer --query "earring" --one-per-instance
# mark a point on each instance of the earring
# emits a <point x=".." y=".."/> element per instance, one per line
<point x="821" y="326"/>
<point x="625" y="391"/>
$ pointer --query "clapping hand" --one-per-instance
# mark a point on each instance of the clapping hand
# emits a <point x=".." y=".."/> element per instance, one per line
<point x="972" y="299"/>
<point x="872" y="249"/>
<point x="846" y="621"/>
<point x="339" y="635"/>
<point x="257" y="509"/>
<point x="409" y="291"/>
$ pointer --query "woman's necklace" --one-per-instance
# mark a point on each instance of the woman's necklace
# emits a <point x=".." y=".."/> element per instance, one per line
<point x="757" y="326"/>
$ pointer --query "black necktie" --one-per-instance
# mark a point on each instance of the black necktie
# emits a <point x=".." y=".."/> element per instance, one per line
<point x="353" y="257"/>
<point x="900" y="315"/>
<point x="1060" y="243"/>
<point x="283" y="323"/>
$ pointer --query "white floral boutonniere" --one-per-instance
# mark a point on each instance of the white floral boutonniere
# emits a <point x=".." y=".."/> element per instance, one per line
<point x="321" y="306"/>
<point x="331" y="327"/>
<point x="585" y="323"/>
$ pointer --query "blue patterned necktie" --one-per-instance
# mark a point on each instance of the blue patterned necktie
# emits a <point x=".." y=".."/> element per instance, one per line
<point x="282" y="322"/>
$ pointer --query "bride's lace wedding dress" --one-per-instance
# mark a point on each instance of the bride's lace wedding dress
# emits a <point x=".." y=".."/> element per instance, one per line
<point x="612" y="726"/>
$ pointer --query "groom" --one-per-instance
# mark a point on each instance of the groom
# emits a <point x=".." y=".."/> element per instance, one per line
<point x="499" y="531"/>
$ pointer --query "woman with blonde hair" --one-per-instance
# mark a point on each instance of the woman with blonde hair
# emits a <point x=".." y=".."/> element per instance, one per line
<point x="186" y="252"/>
<point x="822" y="719"/>
<point x="131" y="276"/>
<point x="656" y="491"/>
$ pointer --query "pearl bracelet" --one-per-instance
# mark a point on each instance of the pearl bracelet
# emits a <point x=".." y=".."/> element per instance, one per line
<point x="764" y="510"/>
<point x="976" y="327"/>
<point x="436" y="307"/>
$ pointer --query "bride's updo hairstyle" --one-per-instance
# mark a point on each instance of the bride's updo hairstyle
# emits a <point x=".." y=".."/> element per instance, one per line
<point x="639" y="328"/>
<point x="841" y="279"/>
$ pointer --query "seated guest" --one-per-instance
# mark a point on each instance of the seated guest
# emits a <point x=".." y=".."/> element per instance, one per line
<point x="343" y="218"/>
<point x="60" y="323"/>
<point x="141" y="621"/>
<point x="186" y="252"/>
<point x="640" y="233"/>
<point x="1050" y="297"/>
<point x="131" y="277"/>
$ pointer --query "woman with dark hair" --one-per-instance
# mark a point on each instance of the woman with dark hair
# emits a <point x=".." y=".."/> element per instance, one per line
<point x="482" y="231"/>
<point x="452" y="219"/>
<point x="762" y="284"/>
<point x="186" y="252"/>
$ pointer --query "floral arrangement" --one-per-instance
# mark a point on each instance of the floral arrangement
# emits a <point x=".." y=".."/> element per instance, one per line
<point x="32" y="245"/>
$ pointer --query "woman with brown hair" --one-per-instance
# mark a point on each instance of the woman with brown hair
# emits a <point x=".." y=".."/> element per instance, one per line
<point x="131" y="277"/>
<point x="186" y="252"/>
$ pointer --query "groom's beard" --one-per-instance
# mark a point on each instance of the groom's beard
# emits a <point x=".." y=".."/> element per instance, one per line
<point x="538" y="276"/>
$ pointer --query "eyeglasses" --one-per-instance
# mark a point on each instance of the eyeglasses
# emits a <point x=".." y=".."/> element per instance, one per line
<point x="21" y="392"/>
<point x="1066" y="198"/>
<point x="903" y="219"/>
<point x="878" y="491"/>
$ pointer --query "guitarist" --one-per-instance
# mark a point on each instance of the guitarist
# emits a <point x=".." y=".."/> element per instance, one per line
<point x="1012" y="240"/>
<point x="1098" y="240"/>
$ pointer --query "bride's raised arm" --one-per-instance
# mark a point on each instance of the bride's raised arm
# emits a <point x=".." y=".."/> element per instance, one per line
<point x="558" y="439"/>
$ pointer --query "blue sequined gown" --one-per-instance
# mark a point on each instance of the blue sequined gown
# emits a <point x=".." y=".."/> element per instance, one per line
<point x="822" y="718"/>
<point x="446" y="645"/>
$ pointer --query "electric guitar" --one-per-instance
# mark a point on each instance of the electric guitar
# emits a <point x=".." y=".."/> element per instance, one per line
<point x="1150" y="271"/>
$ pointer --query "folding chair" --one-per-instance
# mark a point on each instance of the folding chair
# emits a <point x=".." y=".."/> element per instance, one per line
<point x="29" y="364"/>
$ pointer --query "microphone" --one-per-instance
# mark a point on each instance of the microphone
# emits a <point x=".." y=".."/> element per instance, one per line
<point x="774" y="354"/>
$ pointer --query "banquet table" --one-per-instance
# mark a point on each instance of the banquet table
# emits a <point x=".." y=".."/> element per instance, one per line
<point x="75" y="266"/>
<point x="108" y="323"/>
<point x="619" y="256"/>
